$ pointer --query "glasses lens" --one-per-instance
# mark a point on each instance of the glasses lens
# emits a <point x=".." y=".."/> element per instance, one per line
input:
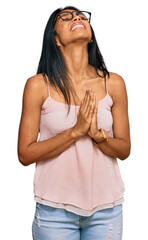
<point x="66" y="15"/>
<point x="83" y="15"/>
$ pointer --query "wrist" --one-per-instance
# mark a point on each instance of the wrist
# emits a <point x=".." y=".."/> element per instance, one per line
<point x="97" y="139"/>
<point x="74" y="133"/>
<point x="100" y="136"/>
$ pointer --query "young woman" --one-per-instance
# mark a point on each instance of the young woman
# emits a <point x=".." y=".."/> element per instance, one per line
<point x="81" y="111"/>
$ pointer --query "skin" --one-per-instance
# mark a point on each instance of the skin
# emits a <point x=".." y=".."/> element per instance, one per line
<point x="73" y="45"/>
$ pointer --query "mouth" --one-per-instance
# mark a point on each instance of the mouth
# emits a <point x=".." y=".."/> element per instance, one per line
<point x="76" y="26"/>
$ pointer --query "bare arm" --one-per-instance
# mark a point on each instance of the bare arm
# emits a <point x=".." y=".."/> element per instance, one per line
<point x="119" y="146"/>
<point x="31" y="151"/>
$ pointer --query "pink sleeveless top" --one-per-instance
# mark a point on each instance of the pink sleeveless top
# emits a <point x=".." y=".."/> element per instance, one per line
<point x="82" y="179"/>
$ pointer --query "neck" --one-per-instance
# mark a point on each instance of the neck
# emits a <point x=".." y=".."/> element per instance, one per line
<point x="76" y="60"/>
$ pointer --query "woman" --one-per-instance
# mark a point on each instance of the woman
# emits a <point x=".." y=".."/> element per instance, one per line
<point x="81" y="111"/>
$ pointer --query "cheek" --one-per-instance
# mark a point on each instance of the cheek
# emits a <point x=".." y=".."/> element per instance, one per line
<point x="62" y="33"/>
<point x="89" y="31"/>
<point x="63" y="36"/>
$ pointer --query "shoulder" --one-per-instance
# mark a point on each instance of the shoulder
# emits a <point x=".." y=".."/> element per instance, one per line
<point x="35" y="87"/>
<point x="35" y="81"/>
<point x="116" y="85"/>
<point x="115" y="80"/>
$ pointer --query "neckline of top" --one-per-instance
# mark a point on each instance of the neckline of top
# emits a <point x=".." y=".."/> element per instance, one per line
<point x="72" y="105"/>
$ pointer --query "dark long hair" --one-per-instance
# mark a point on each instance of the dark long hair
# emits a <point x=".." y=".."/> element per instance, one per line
<point x="52" y="63"/>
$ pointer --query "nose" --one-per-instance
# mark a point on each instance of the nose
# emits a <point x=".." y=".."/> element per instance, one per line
<point x="76" y="17"/>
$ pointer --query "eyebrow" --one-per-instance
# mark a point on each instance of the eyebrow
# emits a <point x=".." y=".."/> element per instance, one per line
<point x="70" y="11"/>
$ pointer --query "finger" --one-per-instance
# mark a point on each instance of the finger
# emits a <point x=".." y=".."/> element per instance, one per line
<point x="94" y="114"/>
<point x="90" y="109"/>
<point x="104" y="134"/>
<point x="88" y="101"/>
<point x="101" y="131"/>
<point x="95" y="104"/>
<point x="85" y="99"/>
<point x="93" y="101"/>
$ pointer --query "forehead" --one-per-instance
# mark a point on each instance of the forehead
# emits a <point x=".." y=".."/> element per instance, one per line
<point x="69" y="10"/>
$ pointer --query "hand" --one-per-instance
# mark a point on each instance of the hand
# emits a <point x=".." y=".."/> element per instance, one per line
<point x="84" y="115"/>
<point x="98" y="135"/>
<point x="93" y="127"/>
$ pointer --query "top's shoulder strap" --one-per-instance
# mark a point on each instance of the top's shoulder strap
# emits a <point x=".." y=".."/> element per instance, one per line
<point x="106" y="85"/>
<point x="47" y="84"/>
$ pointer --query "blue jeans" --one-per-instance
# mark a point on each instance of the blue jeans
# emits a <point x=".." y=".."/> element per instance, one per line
<point x="59" y="224"/>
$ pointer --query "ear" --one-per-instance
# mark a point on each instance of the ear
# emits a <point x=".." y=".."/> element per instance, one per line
<point x="58" y="42"/>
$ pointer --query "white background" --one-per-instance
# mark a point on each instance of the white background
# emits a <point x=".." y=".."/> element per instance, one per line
<point x="121" y="31"/>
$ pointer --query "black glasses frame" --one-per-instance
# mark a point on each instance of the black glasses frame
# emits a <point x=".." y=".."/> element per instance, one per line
<point x="77" y="13"/>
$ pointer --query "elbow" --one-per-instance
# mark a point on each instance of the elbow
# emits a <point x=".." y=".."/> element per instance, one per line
<point x="125" y="155"/>
<point x="22" y="160"/>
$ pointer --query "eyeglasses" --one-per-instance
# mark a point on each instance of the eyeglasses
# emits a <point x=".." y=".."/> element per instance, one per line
<point x="67" y="15"/>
